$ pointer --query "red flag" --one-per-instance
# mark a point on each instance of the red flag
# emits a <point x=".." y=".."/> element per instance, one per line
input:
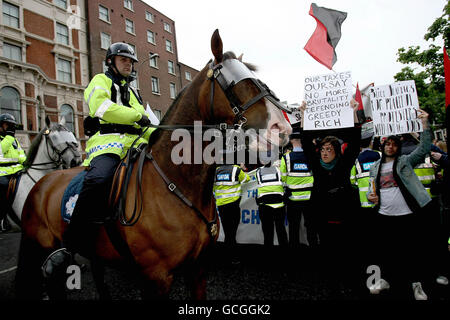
<point x="447" y="78"/>
<point x="321" y="46"/>
<point x="360" y="112"/>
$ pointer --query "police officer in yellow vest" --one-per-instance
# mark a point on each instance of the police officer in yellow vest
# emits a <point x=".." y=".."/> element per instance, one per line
<point x="270" y="203"/>
<point x="298" y="180"/>
<point x="118" y="109"/>
<point x="12" y="157"/>
<point x="227" y="192"/>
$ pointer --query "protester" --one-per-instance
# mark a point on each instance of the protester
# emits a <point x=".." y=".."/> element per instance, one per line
<point x="333" y="198"/>
<point x="399" y="196"/>
<point x="227" y="192"/>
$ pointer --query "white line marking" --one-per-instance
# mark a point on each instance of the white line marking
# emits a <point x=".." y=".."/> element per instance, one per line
<point x="8" y="270"/>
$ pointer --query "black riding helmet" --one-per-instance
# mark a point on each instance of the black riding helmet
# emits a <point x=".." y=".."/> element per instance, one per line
<point x="120" y="49"/>
<point x="8" y="118"/>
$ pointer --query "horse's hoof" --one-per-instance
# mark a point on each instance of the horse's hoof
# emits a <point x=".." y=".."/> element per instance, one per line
<point x="56" y="262"/>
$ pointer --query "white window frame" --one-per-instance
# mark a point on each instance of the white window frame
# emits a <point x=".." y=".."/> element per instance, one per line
<point x="59" y="35"/>
<point x="126" y="26"/>
<point x="155" y="82"/>
<point x="128" y="4"/>
<point x="171" y="46"/>
<point x="167" y="27"/>
<point x="186" y="73"/>
<point x="107" y="13"/>
<point x="172" y="90"/>
<point x="169" y="62"/>
<point x="10" y="46"/>
<point x="72" y="120"/>
<point x="8" y="17"/>
<point x="153" y="61"/>
<point x="152" y="16"/>
<point x="105" y="37"/>
<point x="154" y="39"/>
<point x="64" y="72"/>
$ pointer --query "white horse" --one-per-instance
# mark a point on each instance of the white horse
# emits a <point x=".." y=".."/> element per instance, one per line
<point x="53" y="148"/>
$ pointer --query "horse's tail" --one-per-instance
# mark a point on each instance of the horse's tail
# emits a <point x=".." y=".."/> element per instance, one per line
<point x="29" y="279"/>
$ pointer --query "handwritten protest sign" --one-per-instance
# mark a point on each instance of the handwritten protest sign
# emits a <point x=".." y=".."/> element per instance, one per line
<point x="328" y="101"/>
<point x="394" y="108"/>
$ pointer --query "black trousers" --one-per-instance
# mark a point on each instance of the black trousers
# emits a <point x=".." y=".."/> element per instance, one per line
<point x="91" y="205"/>
<point x="4" y="182"/>
<point x="295" y="211"/>
<point x="269" y="217"/>
<point x="230" y="216"/>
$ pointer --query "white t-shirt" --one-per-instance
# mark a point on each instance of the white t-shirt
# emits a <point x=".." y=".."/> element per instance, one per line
<point x="392" y="202"/>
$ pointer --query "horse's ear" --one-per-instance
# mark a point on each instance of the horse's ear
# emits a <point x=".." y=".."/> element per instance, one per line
<point x="240" y="57"/>
<point x="62" y="121"/>
<point x="47" y="121"/>
<point x="217" y="46"/>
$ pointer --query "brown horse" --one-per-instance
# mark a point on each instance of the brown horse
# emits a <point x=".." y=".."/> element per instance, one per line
<point x="169" y="234"/>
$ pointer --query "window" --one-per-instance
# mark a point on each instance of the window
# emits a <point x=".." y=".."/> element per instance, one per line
<point x="170" y="67"/>
<point x="169" y="46"/>
<point x="128" y="4"/>
<point x="61" y="3"/>
<point x="67" y="112"/>
<point x="167" y="27"/>
<point x="187" y="75"/>
<point x="150" y="36"/>
<point x="62" y="34"/>
<point x="10" y="15"/>
<point x="105" y="41"/>
<point x="155" y="85"/>
<point x="103" y="13"/>
<point x="64" y="71"/>
<point x="157" y="114"/>
<point x="173" y="90"/>
<point x="12" y="52"/>
<point x="149" y="16"/>
<point x="129" y="26"/>
<point x="153" y="61"/>
<point x="10" y="102"/>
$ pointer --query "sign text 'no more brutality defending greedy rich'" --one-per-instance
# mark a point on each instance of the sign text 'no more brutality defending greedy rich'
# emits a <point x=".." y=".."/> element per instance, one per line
<point x="394" y="108"/>
<point x="328" y="101"/>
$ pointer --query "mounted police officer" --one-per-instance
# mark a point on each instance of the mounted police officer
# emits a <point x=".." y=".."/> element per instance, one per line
<point x="298" y="179"/>
<point x="117" y="120"/>
<point x="12" y="157"/>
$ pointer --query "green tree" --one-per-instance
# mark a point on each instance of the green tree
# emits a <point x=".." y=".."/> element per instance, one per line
<point x="430" y="81"/>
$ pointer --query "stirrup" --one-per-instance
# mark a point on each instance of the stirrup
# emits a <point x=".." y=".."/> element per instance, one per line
<point x="57" y="260"/>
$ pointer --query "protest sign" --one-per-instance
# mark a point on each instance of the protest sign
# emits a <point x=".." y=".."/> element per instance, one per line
<point x="394" y="108"/>
<point x="328" y="101"/>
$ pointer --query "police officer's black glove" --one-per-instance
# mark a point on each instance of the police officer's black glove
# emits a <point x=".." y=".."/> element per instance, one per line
<point x="11" y="132"/>
<point x="144" y="121"/>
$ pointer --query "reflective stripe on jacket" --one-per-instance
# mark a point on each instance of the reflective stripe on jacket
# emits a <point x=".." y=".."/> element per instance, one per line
<point x="227" y="184"/>
<point x="12" y="156"/>
<point x="98" y="97"/>
<point x="426" y="174"/>
<point x="270" y="187"/>
<point x="360" y="175"/>
<point x="296" y="176"/>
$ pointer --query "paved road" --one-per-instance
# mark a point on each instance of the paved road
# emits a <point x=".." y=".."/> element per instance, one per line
<point x="252" y="279"/>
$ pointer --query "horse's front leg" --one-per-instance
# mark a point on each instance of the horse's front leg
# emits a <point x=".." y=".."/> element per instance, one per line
<point x="195" y="279"/>
<point x="156" y="284"/>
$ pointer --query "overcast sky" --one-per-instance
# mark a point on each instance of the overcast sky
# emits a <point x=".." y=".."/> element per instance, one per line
<point x="272" y="34"/>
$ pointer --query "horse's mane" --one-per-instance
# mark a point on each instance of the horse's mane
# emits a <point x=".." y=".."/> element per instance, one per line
<point x="32" y="151"/>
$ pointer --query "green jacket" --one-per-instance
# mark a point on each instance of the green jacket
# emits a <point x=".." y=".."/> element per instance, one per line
<point x="296" y="176"/>
<point x="270" y="187"/>
<point x="98" y="97"/>
<point x="227" y="184"/>
<point x="425" y="173"/>
<point x="12" y="156"/>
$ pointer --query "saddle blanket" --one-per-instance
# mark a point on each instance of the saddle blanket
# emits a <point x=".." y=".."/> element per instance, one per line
<point x="70" y="196"/>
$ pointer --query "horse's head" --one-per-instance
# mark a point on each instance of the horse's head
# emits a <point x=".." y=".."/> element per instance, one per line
<point x="242" y="99"/>
<point x="62" y="145"/>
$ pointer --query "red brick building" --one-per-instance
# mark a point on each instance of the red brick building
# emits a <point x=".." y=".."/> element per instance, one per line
<point x="160" y="74"/>
<point x="43" y="63"/>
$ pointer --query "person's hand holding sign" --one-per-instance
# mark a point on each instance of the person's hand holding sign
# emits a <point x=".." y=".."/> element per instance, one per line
<point x="354" y="105"/>
<point x="423" y="116"/>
